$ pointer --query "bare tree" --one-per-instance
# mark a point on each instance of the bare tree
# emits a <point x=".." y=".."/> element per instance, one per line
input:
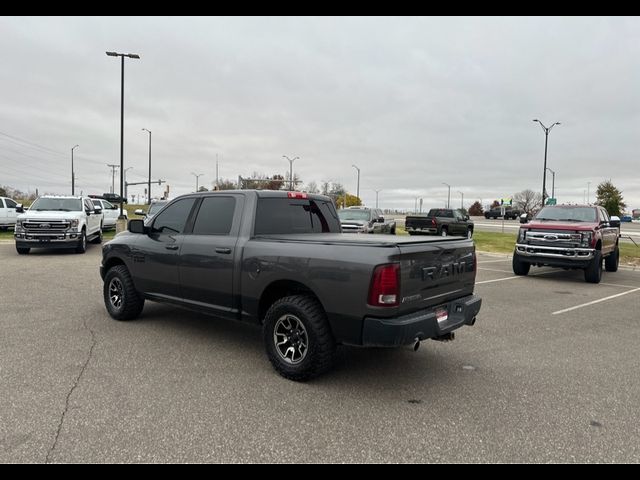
<point x="527" y="200"/>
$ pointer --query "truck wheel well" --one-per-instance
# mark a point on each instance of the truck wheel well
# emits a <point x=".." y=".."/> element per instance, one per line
<point x="112" y="262"/>
<point x="281" y="289"/>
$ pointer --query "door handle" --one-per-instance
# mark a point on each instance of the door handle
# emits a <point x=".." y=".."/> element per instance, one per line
<point x="171" y="247"/>
<point x="223" y="250"/>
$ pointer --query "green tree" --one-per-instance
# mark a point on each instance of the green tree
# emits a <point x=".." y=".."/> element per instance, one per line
<point x="609" y="197"/>
<point x="476" y="209"/>
<point x="352" y="200"/>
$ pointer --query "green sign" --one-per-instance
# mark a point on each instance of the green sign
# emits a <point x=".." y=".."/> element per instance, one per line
<point x="551" y="201"/>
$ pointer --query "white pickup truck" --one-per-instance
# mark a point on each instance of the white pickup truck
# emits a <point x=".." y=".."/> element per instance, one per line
<point x="58" y="222"/>
<point x="7" y="213"/>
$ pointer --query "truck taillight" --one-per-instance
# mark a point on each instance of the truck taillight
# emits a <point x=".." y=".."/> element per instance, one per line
<point x="296" y="195"/>
<point x="385" y="286"/>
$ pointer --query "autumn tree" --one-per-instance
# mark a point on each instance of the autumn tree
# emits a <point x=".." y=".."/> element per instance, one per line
<point x="476" y="209"/>
<point x="609" y="197"/>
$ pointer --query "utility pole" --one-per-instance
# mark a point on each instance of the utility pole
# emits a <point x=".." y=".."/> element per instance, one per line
<point x="358" y="185"/>
<point x="377" y="191"/>
<point x="113" y="175"/>
<point x="461" y="200"/>
<point x="197" y="175"/>
<point x="291" y="160"/>
<point x="448" y="194"/>
<point x="73" y="175"/>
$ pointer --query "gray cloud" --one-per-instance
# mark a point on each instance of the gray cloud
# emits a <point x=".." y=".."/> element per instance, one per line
<point x="413" y="102"/>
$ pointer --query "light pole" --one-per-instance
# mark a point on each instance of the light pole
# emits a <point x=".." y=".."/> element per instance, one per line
<point x="122" y="55"/>
<point x="197" y="175"/>
<point x="358" y="185"/>
<point x="546" y="140"/>
<point x="461" y="200"/>
<point x="553" y="183"/>
<point x="73" y="175"/>
<point x="149" y="186"/>
<point x="377" y="191"/>
<point x="448" y="194"/>
<point x="291" y="160"/>
<point x="588" y="192"/>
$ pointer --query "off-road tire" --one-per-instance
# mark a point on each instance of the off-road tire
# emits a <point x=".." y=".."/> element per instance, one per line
<point x="122" y="300"/>
<point x="611" y="262"/>
<point x="593" y="273"/>
<point x="321" y="346"/>
<point x="520" y="267"/>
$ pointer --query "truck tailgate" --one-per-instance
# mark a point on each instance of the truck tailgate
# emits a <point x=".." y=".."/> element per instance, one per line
<point x="436" y="272"/>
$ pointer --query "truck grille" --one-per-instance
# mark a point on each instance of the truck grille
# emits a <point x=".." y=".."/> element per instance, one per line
<point x="37" y="226"/>
<point x="557" y="239"/>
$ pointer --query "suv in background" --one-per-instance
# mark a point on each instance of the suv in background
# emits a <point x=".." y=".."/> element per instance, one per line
<point x="365" y="220"/>
<point x="58" y="222"/>
<point x="111" y="197"/>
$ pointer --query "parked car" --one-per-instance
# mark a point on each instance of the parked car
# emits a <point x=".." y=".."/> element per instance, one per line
<point x="110" y="211"/>
<point x="365" y="220"/>
<point x="7" y="213"/>
<point x="626" y="218"/>
<point x="111" y="197"/>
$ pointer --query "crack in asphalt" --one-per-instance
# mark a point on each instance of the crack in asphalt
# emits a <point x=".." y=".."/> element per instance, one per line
<point x="73" y="387"/>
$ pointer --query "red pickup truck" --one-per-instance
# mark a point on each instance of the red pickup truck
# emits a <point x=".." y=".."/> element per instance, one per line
<point x="569" y="236"/>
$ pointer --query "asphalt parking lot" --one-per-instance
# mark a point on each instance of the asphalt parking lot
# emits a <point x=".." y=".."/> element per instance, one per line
<point x="549" y="373"/>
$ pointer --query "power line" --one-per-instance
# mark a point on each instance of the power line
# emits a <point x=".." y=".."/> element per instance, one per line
<point x="33" y="144"/>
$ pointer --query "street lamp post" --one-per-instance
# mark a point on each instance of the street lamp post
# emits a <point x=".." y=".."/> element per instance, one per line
<point x="553" y="183"/>
<point x="588" y="193"/>
<point x="291" y="160"/>
<point x="448" y="194"/>
<point x="461" y="200"/>
<point x="377" y="191"/>
<point x="122" y="56"/>
<point x="149" y="186"/>
<point x="126" y="190"/>
<point x="358" y="185"/>
<point x="546" y="140"/>
<point x="197" y="175"/>
<point x="73" y="175"/>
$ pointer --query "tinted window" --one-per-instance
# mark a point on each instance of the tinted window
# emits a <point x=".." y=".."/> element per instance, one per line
<point x="174" y="217"/>
<point x="289" y="215"/>
<point x="215" y="216"/>
<point x="10" y="203"/>
<point x="575" y="214"/>
<point x="440" y="212"/>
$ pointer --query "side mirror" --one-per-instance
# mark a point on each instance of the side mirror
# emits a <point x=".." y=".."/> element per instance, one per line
<point x="97" y="210"/>
<point x="523" y="218"/>
<point x="615" y="221"/>
<point x="139" y="211"/>
<point x="136" y="226"/>
<point x="380" y="220"/>
<point x="466" y="218"/>
<point x="19" y="208"/>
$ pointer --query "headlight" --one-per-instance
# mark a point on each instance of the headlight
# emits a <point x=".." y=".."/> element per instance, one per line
<point x="73" y="223"/>
<point x="521" y="235"/>
<point x="587" y="237"/>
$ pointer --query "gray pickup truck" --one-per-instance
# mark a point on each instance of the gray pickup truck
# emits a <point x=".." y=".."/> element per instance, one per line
<point x="278" y="259"/>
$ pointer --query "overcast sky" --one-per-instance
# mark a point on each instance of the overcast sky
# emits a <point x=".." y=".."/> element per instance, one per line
<point x="413" y="102"/>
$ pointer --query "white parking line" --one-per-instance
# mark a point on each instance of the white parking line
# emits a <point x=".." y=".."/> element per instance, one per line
<point x="595" y="301"/>
<point x="517" y="276"/>
<point x="494" y="270"/>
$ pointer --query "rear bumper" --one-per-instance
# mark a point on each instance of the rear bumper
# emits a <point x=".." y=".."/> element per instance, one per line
<point x="403" y="330"/>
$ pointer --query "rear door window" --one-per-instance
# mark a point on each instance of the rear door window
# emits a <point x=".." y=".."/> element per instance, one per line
<point x="215" y="216"/>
